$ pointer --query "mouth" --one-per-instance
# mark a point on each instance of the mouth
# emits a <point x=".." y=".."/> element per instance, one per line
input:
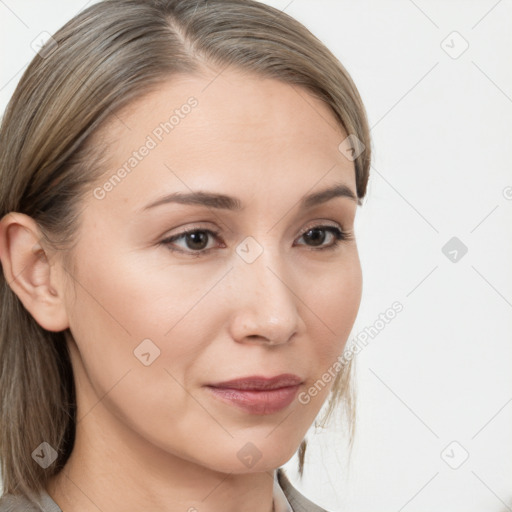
<point x="258" y="395"/>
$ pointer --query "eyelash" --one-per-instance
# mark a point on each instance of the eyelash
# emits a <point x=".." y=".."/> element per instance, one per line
<point x="340" y="235"/>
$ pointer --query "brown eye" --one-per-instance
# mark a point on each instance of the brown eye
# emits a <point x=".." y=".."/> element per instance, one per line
<point x="318" y="234"/>
<point x="196" y="241"/>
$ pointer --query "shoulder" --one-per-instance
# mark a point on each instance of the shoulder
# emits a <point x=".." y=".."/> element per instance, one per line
<point x="298" y="502"/>
<point x="14" y="503"/>
<point x="20" y="503"/>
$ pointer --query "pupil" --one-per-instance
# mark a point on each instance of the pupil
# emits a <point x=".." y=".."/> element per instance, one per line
<point x="315" y="239"/>
<point x="196" y="239"/>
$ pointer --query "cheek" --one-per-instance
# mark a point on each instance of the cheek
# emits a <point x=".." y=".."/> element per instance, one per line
<point x="126" y="364"/>
<point x="334" y="296"/>
<point x="334" y="299"/>
<point x="134" y="314"/>
<point x="135" y="295"/>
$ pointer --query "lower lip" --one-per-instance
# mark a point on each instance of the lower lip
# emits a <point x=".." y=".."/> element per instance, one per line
<point x="257" y="402"/>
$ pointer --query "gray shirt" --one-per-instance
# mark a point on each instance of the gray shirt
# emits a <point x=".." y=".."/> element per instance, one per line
<point x="286" y="499"/>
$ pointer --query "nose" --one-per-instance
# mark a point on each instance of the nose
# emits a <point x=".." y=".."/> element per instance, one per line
<point x="264" y="306"/>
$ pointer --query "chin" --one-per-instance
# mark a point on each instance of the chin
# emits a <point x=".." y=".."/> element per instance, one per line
<point x="252" y="456"/>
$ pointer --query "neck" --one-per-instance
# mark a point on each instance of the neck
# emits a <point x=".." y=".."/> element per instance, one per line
<point x="123" y="472"/>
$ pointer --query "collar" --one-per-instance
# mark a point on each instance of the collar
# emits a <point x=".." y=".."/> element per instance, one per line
<point x="280" y="502"/>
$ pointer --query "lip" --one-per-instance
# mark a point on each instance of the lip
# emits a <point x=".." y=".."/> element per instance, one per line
<point x="256" y="382"/>
<point x="258" y="395"/>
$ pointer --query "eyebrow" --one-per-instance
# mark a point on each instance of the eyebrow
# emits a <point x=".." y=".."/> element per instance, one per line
<point x="224" y="202"/>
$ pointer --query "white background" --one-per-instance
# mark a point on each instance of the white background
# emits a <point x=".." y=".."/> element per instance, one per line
<point x="442" y="141"/>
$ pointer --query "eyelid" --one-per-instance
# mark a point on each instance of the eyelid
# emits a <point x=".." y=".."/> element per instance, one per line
<point x="312" y="224"/>
<point x="343" y="235"/>
<point x="319" y="223"/>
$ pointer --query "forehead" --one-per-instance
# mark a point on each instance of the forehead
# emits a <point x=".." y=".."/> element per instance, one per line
<point x="224" y="130"/>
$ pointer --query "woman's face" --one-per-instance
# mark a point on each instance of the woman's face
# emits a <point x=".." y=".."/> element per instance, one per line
<point x="254" y="291"/>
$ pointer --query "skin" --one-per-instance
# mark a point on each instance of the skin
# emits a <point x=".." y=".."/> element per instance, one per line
<point x="153" y="437"/>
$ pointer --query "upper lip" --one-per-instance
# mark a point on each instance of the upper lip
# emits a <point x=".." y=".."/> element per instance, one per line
<point x="256" y="382"/>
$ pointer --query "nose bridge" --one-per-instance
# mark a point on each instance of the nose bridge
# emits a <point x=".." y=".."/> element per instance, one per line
<point x="264" y="305"/>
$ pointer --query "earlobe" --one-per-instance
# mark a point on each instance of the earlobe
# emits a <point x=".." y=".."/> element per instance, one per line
<point x="28" y="272"/>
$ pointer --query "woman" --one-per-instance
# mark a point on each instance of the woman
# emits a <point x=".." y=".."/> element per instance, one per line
<point x="180" y="273"/>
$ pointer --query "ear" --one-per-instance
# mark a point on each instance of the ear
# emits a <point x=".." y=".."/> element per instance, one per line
<point x="27" y="269"/>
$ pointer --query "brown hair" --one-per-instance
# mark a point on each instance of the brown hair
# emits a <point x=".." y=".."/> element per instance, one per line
<point x="108" y="55"/>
